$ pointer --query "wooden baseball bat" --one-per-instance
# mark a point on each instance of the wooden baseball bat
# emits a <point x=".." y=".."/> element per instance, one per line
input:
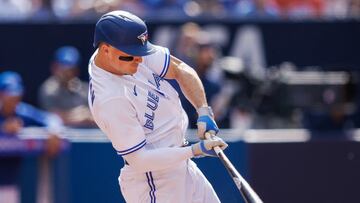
<point x="245" y="189"/>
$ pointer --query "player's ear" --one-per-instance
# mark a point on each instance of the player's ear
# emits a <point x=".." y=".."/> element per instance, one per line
<point x="104" y="47"/>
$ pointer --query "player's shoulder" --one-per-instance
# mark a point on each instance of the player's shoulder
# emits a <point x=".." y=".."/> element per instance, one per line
<point x="108" y="89"/>
<point x="110" y="102"/>
<point x="161" y="49"/>
<point x="159" y="61"/>
<point x="159" y="53"/>
<point x="105" y="86"/>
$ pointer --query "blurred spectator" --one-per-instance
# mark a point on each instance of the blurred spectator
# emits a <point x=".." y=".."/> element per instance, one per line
<point x="24" y="10"/>
<point x="14" y="115"/>
<point x="256" y="8"/>
<point x="186" y="43"/>
<point x="43" y="10"/>
<point x="301" y="8"/>
<point x="133" y="6"/>
<point x="336" y="9"/>
<point x="11" y="10"/>
<point x="63" y="93"/>
<point x="91" y="9"/>
<point x="203" y="8"/>
<point x="167" y="8"/>
<point x="354" y="9"/>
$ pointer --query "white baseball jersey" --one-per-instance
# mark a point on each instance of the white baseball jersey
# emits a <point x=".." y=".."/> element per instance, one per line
<point x="144" y="107"/>
<point x="144" y="110"/>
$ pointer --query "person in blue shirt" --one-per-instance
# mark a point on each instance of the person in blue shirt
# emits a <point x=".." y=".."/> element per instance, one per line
<point x="15" y="114"/>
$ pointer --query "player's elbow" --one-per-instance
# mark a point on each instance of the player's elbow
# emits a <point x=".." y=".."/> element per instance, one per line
<point x="136" y="160"/>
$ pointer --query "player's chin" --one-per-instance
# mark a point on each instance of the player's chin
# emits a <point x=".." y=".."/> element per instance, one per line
<point x="134" y="68"/>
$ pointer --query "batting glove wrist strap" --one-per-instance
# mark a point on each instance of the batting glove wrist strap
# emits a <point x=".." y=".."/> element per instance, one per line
<point x="205" y="111"/>
<point x="206" y="124"/>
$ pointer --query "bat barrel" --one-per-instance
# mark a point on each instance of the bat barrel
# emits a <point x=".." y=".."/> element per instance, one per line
<point x="245" y="189"/>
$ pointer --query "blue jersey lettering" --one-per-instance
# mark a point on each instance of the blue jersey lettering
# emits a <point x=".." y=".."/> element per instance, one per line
<point x="151" y="104"/>
<point x="91" y="91"/>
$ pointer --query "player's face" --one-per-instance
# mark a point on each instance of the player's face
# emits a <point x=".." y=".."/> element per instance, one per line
<point x="9" y="103"/>
<point x="122" y="63"/>
<point x="65" y="72"/>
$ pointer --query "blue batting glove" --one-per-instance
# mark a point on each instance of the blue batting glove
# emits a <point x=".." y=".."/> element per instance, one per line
<point x="206" y="147"/>
<point x="206" y="122"/>
<point x="206" y="152"/>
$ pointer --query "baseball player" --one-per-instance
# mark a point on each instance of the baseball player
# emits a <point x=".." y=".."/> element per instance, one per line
<point x="141" y="113"/>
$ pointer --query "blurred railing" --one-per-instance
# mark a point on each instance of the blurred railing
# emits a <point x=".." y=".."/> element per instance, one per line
<point x="231" y="135"/>
<point x="271" y="160"/>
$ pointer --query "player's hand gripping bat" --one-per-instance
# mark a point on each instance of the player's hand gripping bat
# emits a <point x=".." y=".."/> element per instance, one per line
<point x="246" y="191"/>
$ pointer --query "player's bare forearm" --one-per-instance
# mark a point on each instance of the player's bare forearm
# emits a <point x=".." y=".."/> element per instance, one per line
<point x="191" y="86"/>
<point x="189" y="82"/>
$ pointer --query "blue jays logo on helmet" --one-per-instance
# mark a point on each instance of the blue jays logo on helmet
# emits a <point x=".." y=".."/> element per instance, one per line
<point x="143" y="37"/>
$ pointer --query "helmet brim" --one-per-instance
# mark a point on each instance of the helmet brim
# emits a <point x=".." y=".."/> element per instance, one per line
<point x="144" y="50"/>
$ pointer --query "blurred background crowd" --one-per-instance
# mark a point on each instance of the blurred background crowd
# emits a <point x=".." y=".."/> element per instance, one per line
<point x="64" y="10"/>
<point x="243" y="91"/>
<point x="265" y="64"/>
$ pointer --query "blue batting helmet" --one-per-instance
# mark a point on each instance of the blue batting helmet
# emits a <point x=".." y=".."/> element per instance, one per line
<point x="67" y="55"/>
<point x="11" y="83"/>
<point x="124" y="31"/>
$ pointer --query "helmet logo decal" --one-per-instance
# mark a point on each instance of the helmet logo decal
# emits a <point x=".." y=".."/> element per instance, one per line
<point x="143" y="37"/>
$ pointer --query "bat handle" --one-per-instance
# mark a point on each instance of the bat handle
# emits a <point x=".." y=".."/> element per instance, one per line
<point x="208" y="136"/>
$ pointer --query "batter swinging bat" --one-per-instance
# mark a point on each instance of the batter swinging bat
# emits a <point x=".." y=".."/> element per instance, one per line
<point x="246" y="191"/>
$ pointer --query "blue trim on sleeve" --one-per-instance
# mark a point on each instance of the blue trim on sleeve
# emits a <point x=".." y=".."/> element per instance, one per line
<point x="166" y="64"/>
<point x="132" y="149"/>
